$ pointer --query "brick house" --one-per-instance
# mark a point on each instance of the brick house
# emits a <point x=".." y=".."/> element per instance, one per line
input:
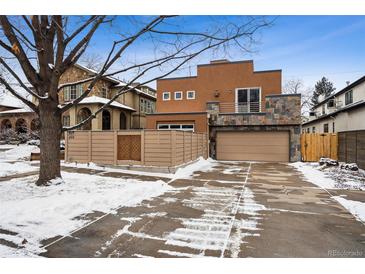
<point x="128" y="111"/>
<point x="243" y="111"/>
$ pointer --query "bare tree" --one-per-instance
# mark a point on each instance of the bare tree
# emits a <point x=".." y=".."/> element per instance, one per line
<point x="92" y="61"/>
<point x="42" y="48"/>
<point x="296" y="86"/>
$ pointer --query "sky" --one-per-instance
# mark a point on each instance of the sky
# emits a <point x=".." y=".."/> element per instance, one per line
<point x="304" y="47"/>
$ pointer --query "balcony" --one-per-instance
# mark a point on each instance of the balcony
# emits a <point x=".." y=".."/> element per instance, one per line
<point x="222" y="108"/>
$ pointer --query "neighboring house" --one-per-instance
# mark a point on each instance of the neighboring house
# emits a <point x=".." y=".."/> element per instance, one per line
<point x="14" y="115"/>
<point x="243" y="111"/>
<point x="128" y="111"/>
<point x="340" y="112"/>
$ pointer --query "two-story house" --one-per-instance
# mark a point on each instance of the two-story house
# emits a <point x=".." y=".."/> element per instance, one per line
<point x="128" y="111"/>
<point x="340" y="112"/>
<point x="242" y="110"/>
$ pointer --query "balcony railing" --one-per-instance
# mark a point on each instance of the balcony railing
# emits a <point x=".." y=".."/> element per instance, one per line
<point x="252" y="107"/>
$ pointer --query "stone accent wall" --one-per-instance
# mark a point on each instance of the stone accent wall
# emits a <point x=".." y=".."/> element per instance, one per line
<point x="282" y="114"/>
<point x="280" y="110"/>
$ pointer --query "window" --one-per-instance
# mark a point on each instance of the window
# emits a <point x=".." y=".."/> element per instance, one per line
<point x="333" y="127"/>
<point x="104" y="92"/>
<point x="66" y="121"/>
<point x="73" y="92"/>
<point x="186" y="127"/>
<point x="248" y="100"/>
<point x="313" y="129"/>
<point x="79" y="90"/>
<point x="142" y="108"/>
<point x="190" y="95"/>
<point x="308" y="130"/>
<point x="331" y="103"/>
<point x="323" y="109"/>
<point x="166" y="96"/>
<point x="325" y="128"/>
<point x="348" y="97"/>
<point x="178" y="95"/>
<point x="66" y="94"/>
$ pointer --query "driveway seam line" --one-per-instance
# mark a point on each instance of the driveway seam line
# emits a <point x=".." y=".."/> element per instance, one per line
<point x="235" y="212"/>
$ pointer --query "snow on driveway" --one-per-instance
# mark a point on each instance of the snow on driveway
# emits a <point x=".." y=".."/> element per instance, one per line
<point x="314" y="174"/>
<point x="39" y="213"/>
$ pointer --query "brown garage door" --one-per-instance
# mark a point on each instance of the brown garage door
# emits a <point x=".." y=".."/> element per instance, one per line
<point x="270" y="146"/>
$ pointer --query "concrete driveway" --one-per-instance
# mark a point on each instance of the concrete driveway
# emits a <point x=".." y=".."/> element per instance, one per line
<point x="235" y="210"/>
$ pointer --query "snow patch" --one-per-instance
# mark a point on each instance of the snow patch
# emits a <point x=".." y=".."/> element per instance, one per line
<point x="314" y="175"/>
<point x="356" y="208"/>
<point x="39" y="213"/>
<point x="203" y="165"/>
<point x="16" y="153"/>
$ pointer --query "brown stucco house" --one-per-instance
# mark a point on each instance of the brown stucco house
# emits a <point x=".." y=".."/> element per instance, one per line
<point x="243" y="111"/>
<point x="128" y="111"/>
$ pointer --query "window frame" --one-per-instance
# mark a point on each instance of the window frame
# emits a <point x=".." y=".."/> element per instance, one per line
<point x="187" y="94"/>
<point x="181" y="95"/>
<point x="192" y="129"/>
<point x="350" y="92"/>
<point x="73" y="88"/>
<point x="325" y="128"/>
<point x="163" y="96"/>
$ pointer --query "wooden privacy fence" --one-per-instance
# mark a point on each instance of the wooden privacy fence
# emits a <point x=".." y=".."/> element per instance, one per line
<point x="351" y="148"/>
<point x="317" y="145"/>
<point x="142" y="147"/>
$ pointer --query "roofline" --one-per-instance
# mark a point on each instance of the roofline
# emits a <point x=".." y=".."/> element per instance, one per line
<point x="176" y="113"/>
<point x="222" y="63"/>
<point x="225" y="63"/>
<point x="177" y="78"/>
<point x="268" y="71"/>
<point x="352" y="85"/>
<point x="362" y="103"/>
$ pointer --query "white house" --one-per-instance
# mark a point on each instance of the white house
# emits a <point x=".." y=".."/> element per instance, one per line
<point x="342" y="111"/>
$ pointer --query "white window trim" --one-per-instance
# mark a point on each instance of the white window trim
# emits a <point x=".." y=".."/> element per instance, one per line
<point x="169" y="127"/>
<point x="187" y="95"/>
<point x="163" y="96"/>
<point x="181" y="97"/>
<point x="236" y="97"/>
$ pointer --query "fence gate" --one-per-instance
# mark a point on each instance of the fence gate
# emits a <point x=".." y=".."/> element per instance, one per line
<point x="317" y="145"/>
<point x="129" y="147"/>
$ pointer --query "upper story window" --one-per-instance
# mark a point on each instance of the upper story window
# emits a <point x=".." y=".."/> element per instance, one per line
<point x="72" y="92"/>
<point x="166" y="96"/>
<point x="331" y="103"/>
<point x="66" y="121"/>
<point x="178" y="95"/>
<point x="325" y="128"/>
<point x="190" y="94"/>
<point x="146" y="106"/>
<point x="104" y="92"/>
<point x="313" y="129"/>
<point x="323" y="109"/>
<point x="348" y="97"/>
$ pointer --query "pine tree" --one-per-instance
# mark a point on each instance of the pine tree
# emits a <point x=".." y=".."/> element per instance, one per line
<point x="322" y="87"/>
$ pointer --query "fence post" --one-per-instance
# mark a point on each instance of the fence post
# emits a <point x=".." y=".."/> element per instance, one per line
<point x="115" y="147"/>
<point x="89" y="156"/>
<point x="173" y="147"/>
<point x="66" y="146"/>
<point x="142" y="146"/>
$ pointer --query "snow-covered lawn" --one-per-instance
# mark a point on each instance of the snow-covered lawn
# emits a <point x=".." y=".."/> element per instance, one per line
<point x="35" y="213"/>
<point x="39" y="213"/>
<point x="11" y="159"/>
<point x="336" y="178"/>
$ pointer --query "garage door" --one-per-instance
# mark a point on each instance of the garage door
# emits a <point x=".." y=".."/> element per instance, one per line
<point x="253" y="146"/>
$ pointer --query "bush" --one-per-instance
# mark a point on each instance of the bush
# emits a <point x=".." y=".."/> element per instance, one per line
<point x="10" y="136"/>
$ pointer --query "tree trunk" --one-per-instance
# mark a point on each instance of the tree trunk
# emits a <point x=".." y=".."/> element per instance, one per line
<point x="50" y="136"/>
